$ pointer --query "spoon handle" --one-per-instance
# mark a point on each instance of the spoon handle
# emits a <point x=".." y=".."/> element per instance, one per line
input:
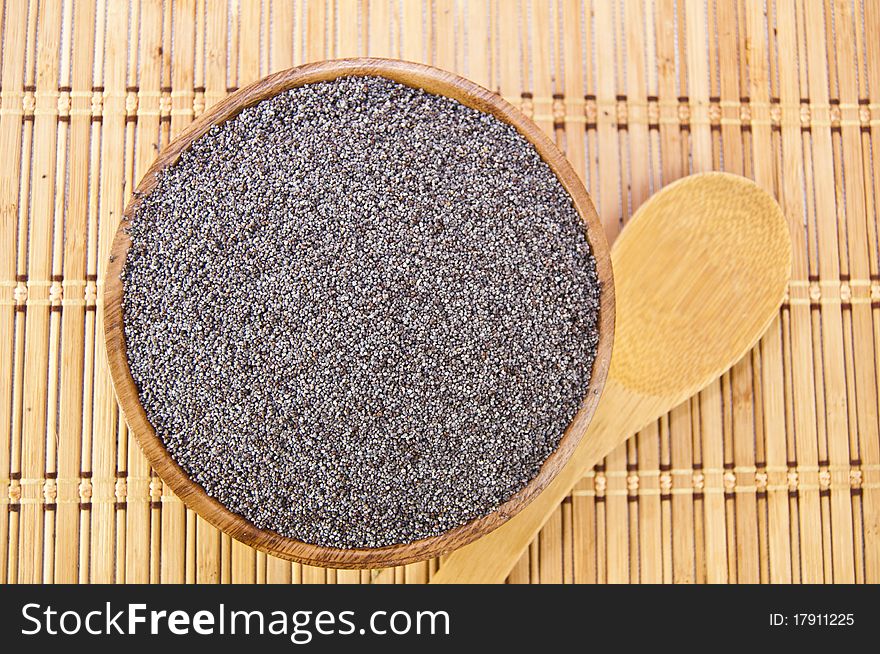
<point x="490" y="559"/>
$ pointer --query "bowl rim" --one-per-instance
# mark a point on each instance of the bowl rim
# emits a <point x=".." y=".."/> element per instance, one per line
<point x="432" y="80"/>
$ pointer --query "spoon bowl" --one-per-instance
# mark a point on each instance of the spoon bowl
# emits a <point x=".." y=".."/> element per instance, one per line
<point x="703" y="264"/>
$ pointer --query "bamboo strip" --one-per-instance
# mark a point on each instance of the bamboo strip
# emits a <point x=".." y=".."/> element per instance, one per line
<point x="870" y="448"/>
<point x="215" y="51"/>
<point x="201" y="51"/>
<point x="30" y="54"/>
<point x="700" y="573"/>
<point x="648" y="507"/>
<point x="838" y="166"/>
<point x="315" y="40"/>
<point x="795" y="338"/>
<point x="636" y="90"/>
<point x="39" y="266"/>
<point x="444" y="50"/>
<point x="533" y="563"/>
<point x="250" y="41"/>
<point x="861" y="374"/>
<point x="349" y="37"/>
<point x="616" y="506"/>
<point x="721" y="479"/>
<point x="666" y="544"/>
<point x="764" y="174"/>
<point x="282" y="20"/>
<point x="479" y="43"/>
<point x="104" y="418"/>
<point x="50" y="485"/>
<point x="232" y="45"/>
<point x="413" y="30"/>
<point x="608" y="199"/>
<point x="380" y="40"/>
<point x="84" y="486"/>
<point x="572" y="57"/>
<point x="540" y="69"/>
<point x="773" y="399"/>
<point x="548" y="559"/>
<point x="798" y="169"/>
<point x="743" y="437"/>
<point x="832" y="370"/>
<point x="14" y="48"/>
<point x="667" y="90"/>
<point x="243" y="563"/>
<point x="698" y="84"/>
<point x="520" y="572"/>
<point x="508" y="56"/>
<point x="683" y="546"/>
<point x="567" y="542"/>
<point x="225" y="559"/>
<point x="583" y="535"/>
<point x="73" y="313"/>
<point x="711" y="477"/>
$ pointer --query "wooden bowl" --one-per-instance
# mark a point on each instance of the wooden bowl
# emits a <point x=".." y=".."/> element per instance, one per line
<point x="437" y="82"/>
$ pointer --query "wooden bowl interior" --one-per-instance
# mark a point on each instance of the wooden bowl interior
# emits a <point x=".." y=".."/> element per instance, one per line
<point x="434" y="81"/>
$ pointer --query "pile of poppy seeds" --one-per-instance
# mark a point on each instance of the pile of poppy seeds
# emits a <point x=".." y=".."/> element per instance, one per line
<point x="359" y="314"/>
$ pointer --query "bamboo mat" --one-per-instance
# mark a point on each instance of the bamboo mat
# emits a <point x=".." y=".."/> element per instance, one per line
<point x="772" y="474"/>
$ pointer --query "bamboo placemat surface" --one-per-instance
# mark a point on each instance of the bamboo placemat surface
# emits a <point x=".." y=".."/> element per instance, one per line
<point x="772" y="474"/>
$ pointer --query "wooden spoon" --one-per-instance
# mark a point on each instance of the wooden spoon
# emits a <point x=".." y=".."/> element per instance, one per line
<point x="700" y="272"/>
